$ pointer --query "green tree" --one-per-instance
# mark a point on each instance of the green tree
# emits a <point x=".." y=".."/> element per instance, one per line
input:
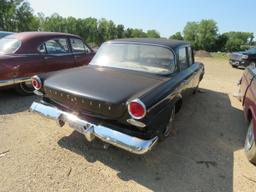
<point x="238" y="40"/>
<point x="207" y="34"/>
<point x="136" y="33"/>
<point x="153" y="34"/>
<point x="17" y="15"/>
<point x="191" y="33"/>
<point x="120" y="31"/>
<point x="177" y="36"/>
<point x="220" y="43"/>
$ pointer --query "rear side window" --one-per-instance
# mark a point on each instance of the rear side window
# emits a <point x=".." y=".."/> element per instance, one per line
<point x="42" y="48"/>
<point x="190" y="56"/>
<point x="183" y="58"/>
<point x="78" y="46"/>
<point x="9" y="45"/>
<point x="56" y="46"/>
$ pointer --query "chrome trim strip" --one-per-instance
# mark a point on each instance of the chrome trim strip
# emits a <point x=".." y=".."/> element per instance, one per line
<point x="14" y="81"/>
<point x="136" y="123"/>
<point x="91" y="130"/>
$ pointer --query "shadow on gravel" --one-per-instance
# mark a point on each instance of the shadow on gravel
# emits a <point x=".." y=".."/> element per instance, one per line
<point x="11" y="102"/>
<point x="198" y="158"/>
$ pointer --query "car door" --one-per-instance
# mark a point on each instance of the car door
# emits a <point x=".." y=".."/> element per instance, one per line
<point x="82" y="53"/>
<point x="58" y="55"/>
<point x="185" y="71"/>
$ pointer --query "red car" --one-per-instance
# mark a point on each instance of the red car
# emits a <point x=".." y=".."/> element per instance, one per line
<point x="248" y="98"/>
<point x="23" y="55"/>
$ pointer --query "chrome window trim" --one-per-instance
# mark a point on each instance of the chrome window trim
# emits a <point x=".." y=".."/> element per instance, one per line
<point x="14" y="81"/>
<point x="56" y="38"/>
<point x="152" y="44"/>
<point x="84" y="45"/>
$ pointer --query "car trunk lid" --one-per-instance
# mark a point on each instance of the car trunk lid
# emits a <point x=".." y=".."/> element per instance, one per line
<point x="98" y="91"/>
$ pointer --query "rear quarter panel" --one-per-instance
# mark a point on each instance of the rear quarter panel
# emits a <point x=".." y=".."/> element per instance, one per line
<point x="248" y="90"/>
<point x="18" y="65"/>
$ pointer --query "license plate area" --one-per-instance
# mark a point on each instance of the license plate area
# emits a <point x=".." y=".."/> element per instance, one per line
<point x="80" y="128"/>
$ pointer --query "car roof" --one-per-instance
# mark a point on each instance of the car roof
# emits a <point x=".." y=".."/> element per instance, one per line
<point x="25" y="36"/>
<point x="31" y="40"/>
<point x="154" y="41"/>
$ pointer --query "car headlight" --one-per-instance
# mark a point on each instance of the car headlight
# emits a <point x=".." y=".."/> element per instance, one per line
<point x="245" y="57"/>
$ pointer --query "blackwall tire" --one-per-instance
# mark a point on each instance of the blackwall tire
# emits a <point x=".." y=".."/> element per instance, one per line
<point x="24" y="89"/>
<point x="249" y="146"/>
<point x="169" y="128"/>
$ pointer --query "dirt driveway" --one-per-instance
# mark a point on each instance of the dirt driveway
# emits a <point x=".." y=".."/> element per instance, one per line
<point x="205" y="155"/>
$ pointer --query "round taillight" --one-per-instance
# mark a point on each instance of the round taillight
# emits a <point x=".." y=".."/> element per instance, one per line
<point x="137" y="109"/>
<point x="36" y="82"/>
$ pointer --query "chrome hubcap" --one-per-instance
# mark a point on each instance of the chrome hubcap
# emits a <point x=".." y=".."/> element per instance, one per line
<point x="249" y="138"/>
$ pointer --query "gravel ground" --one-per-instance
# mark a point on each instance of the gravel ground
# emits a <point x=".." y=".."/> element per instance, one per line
<point x="205" y="155"/>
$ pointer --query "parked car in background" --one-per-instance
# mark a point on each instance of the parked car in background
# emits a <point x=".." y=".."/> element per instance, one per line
<point x="23" y="55"/>
<point x="4" y="33"/>
<point x="244" y="58"/>
<point x="248" y="98"/>
<point x="127" y="96"/>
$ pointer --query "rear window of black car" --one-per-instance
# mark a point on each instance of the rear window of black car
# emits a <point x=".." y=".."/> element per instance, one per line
<point x="138" y="57"/>
<point x="9" y="45"/>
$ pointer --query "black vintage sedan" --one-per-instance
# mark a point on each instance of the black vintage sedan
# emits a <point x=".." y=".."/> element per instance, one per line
<point x="127" y="96"/>
<point x="244" y="58"/>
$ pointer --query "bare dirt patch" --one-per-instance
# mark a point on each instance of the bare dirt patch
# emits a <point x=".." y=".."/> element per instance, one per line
<point x="205" y="155"/>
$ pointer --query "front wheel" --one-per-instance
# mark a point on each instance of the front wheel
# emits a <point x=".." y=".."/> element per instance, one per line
<point x="25" y="88"/>
<point x="249" y="146"/>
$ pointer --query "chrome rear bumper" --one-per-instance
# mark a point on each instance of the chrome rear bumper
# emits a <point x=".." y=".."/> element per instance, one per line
<point x="91" y="130"/>
<point x="4" y="83"/>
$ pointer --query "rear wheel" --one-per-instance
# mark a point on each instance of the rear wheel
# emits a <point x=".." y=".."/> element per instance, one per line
<point x="25" y="88"/>
<point x="196" y="89"/>
<point x="249" y="146"/>
<point x="169" y="130"/>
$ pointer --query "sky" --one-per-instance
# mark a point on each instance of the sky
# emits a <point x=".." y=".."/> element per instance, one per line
<point x="166" y="16"/>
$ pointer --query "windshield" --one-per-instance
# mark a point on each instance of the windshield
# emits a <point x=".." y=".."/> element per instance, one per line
<point x="147" y="58"/>
<point x="252" y="50"/>
<point x="8" y="46"/>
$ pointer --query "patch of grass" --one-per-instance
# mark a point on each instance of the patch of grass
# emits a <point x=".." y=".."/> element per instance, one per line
<point x="220" y="55"/>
